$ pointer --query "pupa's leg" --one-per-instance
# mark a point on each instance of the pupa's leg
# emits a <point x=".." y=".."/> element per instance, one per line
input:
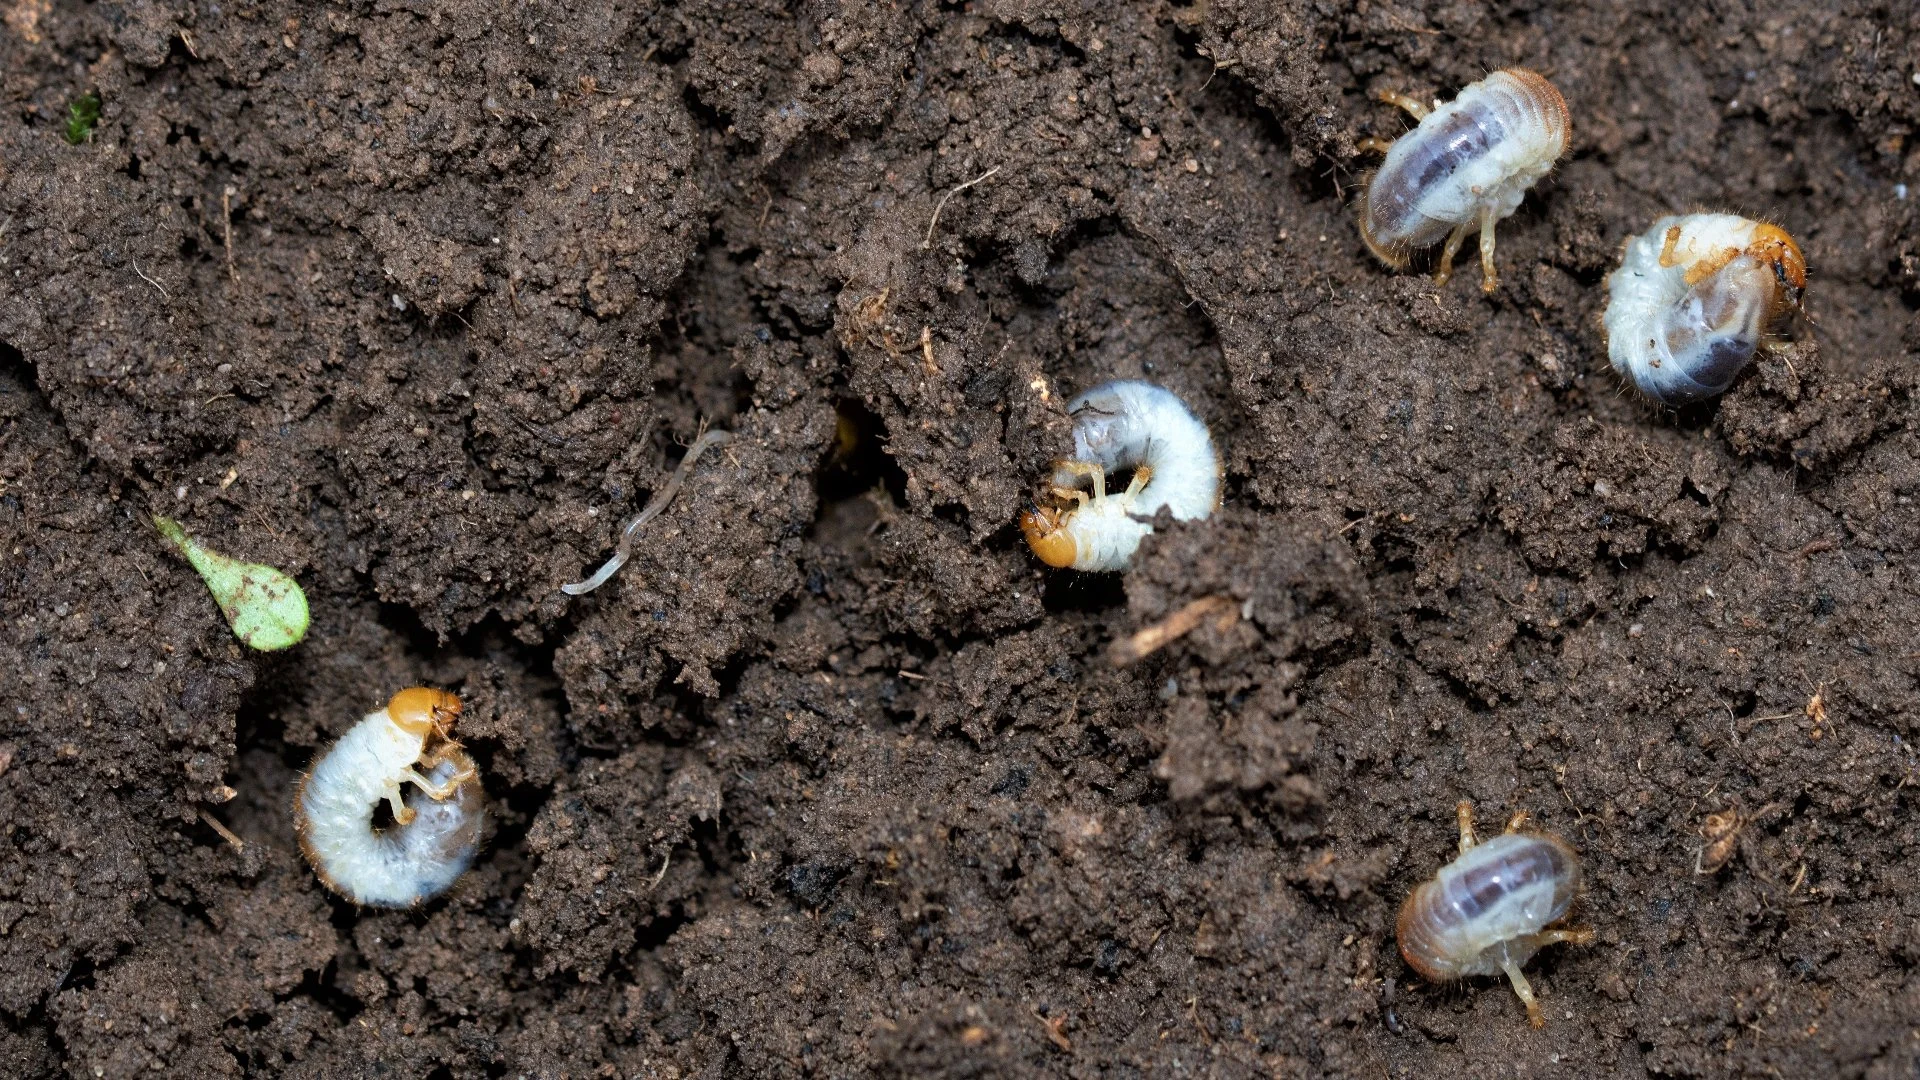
<point x="1525" y="990"/>
<point x="1463" y="810"/>
<point x="1578" y="935"/>
<point x="1459" y="236"/>
<point x="1489" y="277"/>
<point x="1672" y="240"/>
<point x="1415" y="107"/>
<point x="1708" y="265"/>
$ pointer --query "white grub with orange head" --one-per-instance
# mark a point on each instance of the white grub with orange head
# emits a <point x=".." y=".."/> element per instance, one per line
<point x="434" y="835"/>
<point x="1695" y="296"/>
<point x="1466" y="166"/>
<point x="1118" y="426"/>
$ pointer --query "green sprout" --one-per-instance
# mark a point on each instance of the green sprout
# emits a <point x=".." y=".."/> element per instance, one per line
<point x="265" y="607"/>
<point x="82" y="115"/>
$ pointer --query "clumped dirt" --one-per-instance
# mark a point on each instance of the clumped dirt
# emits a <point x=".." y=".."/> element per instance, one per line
<point x="419" y="302"/>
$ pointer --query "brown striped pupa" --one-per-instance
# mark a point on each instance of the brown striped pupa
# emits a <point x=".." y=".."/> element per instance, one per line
<point x="1466" y="165"/>
<point x="1488" y="911"/>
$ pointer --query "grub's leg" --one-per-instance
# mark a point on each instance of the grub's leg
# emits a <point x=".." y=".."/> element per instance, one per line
<point x="1518" y="821"/>
<point x="1525" y="990"/>
<point x="1667" y="257"/>
<point x="1373" y="144"/>
<point x="1141" y="476"/>
<point x="1087" y="468"/>
<point x="436" y="792"/>
<point x="1079" y="497"/>
<point x="1415" y="107"/>
<point x="1489" y="277"/>
<point x="402" y="813"/>
<point x="462" y="775"/>
<point x="1464" y="811"/>
<point x="1445" y="273"/>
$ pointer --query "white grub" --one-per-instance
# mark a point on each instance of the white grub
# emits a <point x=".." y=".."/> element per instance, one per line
<point x="1116" y="426"/>
<point x="1487" y="912"/>
<point x="1466" y="166"/>
<point x="435" y="832"/>
<point x="1693" y="298"/>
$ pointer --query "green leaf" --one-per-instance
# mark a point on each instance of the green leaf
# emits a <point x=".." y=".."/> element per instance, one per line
<point x="82" y="115"/>
<point x="265" y="607"/>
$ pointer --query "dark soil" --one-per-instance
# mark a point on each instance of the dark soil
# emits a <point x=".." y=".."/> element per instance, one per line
<point x="419" y="302"/>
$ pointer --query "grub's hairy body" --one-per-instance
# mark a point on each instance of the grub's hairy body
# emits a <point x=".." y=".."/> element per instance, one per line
<point x="1693" y="298"/>
<point x="1470" y="159"/>
<point x="398" y="866"/>
<point x="1136" y="425"/>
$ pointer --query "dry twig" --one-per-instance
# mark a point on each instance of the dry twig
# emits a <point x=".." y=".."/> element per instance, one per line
<point x="226" y="222"/>
<point x="226" y="834"/>
<point x="1174" y="627"/>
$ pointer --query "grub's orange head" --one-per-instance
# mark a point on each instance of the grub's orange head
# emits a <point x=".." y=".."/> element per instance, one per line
<point x="1047" y="535"/>
<point x="1771" y="244"/>
<point x="421" y="711"/>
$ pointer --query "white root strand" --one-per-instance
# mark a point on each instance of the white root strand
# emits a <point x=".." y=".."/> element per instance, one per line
<point x="654" y="506"/>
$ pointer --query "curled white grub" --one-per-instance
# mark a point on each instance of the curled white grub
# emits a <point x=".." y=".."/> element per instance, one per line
<point x="1116" y="426"/>
<point x="435" y="833"/>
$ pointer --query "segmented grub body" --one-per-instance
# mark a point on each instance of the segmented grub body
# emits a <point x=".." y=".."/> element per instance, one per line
<point x="1694" y="298"/>
<point x="1117" y="426"/>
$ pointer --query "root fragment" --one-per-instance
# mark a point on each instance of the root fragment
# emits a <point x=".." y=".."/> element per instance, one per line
<point x="1056" y="1029"/>
<point x="1174" y="627"/>
<point x="654" y="506"/>
<point x="935" y="221"/>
